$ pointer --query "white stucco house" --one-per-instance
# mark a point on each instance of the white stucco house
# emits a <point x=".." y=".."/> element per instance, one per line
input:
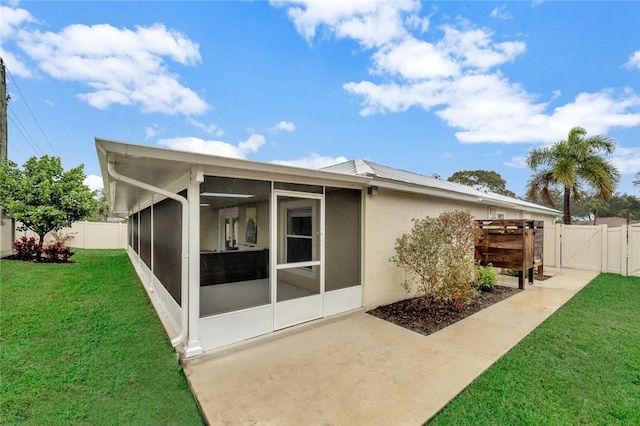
<point x="235" y="249"/>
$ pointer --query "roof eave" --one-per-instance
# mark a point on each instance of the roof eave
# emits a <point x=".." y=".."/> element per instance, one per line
<point x="443" y="193"/>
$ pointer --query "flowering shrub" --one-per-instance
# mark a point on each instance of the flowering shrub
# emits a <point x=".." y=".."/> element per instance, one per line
<point x="25" y="248"/>
<point x="59" y="250"/>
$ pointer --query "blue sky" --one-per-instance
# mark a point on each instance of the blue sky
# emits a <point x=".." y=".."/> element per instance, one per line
<point x="430" y="87"/>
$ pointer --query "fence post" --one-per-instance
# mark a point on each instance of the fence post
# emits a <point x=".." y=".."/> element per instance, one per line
<point x="625" y="242"/>
<point x="558" y="244"/>
<point x="604" y="253"/>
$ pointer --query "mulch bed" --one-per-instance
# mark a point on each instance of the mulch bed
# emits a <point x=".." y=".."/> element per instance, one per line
<point x="413" y="315"/>
<point x="43" y="259"/>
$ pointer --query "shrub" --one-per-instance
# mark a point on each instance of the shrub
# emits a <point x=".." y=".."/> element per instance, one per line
<point x="59" y="250"/>
<point x="25" y="248"/>
<point x="437" y="254"/>
<point x="487" y="277"/>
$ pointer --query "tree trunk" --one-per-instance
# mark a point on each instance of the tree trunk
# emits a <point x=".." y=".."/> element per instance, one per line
<point x="566" y="216"/>
<point x="39" y="248"/>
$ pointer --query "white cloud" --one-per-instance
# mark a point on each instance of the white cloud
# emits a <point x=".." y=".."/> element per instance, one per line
<point x="627" y="160"/>
<point x="283" y="126"/>
<point x="418" y="23"/>
<point x="12" y="20"/>
<point x="151" y="131"/>
<point x="517" y="162"/>
<point x="212" y="129"/>
<point x="14" y="65"/>
<point x="312" y="161"/>
<point x="371" y="23"/>
<point x="634" y="60"/>
<point x="456" y="76"/>
<point x="500" y="12"/>
<point x="94" y="182"/>
<point x="446" y="155"/>
<point x="475" y="48"/>
<point x="119" y="65"/>
<point x="219" y="148"/>
<point x="414" y="59"/>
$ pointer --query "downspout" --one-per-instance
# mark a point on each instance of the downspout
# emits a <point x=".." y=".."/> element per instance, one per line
<point x="184" y="279"/>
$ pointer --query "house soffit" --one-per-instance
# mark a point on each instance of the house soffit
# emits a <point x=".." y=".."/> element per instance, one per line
<point x="162" y="168"/>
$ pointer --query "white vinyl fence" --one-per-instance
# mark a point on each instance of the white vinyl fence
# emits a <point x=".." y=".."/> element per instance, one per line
<point x="6" y="236"/>
<point x="594" y="247"/>
<point x="90" y="235"/>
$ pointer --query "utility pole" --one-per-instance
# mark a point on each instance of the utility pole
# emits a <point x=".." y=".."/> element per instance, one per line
<point x="7" y="226"/>
<point x="3" y="112"/>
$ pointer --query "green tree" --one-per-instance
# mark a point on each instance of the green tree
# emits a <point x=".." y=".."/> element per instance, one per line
<point x="571" y="164"/>
<point x="44" y="197"/>
<point x="636" y="181"/>
<point x="591" y="208"/>
<point x="101" y="211"/>
<point x="487" y="178"/>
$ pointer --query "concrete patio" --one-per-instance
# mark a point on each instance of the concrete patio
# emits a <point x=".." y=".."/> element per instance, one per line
<point x="358" y="369"/>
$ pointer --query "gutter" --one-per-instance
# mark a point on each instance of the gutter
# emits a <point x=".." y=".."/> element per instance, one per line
<point x="184" y="279"/>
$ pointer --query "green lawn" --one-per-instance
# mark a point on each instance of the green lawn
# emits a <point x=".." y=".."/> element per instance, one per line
<point x="581" y="366"/>
<point x="81" y="344"/>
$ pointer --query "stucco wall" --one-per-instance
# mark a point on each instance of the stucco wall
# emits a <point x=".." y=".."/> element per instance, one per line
<point x="387" y="216"/>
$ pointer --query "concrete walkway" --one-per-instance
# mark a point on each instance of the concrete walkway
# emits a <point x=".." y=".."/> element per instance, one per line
<point x="358" y="369"/>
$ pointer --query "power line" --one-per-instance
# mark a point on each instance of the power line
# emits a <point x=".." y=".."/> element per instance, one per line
<point x="19" y="151"/>
<point x="35" y="147"/>
<point x="32" y="114"/>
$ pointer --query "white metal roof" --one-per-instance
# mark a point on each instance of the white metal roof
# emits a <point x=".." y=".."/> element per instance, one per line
<point x="411" y="180"/>
<point x="161" y="167"/>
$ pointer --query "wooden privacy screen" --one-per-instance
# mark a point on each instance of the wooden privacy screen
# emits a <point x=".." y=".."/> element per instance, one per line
<point x="511" y="243"/>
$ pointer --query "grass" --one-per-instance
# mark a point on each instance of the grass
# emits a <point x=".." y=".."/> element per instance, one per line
<point x="581" y="366"/>
<point x="81" y="344"/>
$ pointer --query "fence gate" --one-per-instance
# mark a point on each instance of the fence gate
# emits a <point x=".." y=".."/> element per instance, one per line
<point x="581" y="247"/>
<point x="633" y="248"/>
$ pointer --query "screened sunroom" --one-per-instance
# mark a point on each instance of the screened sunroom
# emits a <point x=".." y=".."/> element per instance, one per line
<point x="233" y="249"/>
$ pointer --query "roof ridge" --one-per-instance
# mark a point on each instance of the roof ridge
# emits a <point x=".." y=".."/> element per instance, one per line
<point x="363" y="167"/>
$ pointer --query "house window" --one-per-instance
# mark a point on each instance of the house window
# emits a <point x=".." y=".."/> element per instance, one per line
<point x="299" y="235"/>
<point x="497" y="214"/>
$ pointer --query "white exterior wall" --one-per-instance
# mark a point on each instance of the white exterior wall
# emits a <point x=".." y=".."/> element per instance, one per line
<point x="387" y="216"/>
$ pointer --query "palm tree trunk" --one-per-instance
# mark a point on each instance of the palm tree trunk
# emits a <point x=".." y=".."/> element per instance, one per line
<point x="566" y="215"/>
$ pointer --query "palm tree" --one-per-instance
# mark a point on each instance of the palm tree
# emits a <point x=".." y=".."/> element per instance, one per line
<point x="570" y="164"/>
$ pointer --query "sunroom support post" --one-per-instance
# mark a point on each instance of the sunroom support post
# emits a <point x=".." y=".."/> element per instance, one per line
<point x="194" y="342"/>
